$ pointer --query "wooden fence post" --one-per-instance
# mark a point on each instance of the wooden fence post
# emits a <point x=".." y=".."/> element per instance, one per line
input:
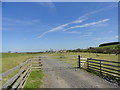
<point x="87" y="63"/>
<point x="21" y="76"/>
<point x="100" y="68"/>
<point x="79" y="64"/>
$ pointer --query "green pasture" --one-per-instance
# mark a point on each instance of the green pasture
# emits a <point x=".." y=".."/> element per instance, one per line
<point x="111" y="57"/>
<point x="110" y="46"/>
<point x="73" y="60"/>
<point x="11" y="60"/>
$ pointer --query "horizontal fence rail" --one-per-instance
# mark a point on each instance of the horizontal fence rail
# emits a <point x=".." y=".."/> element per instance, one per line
<point x="24" y="70"/>
<point x="103" y="67"/>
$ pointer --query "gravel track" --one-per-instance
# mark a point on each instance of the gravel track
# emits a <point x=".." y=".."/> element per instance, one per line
<point x="59" y="74"/>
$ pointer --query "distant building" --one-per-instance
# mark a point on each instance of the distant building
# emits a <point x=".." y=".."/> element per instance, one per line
<point x="9" y="51"/>
<point x="62" y="51"/>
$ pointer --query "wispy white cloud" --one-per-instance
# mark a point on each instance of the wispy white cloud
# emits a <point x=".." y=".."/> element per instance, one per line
<point x="47" y="4"/>
<point x="100" y="25"/>
<point x="7" y="29"/>
<point x="116" y="37"/>
<point x="64" y="25"/>
<point x="86" y="34"/>
<point x="77" y="21"/>
<point x="80" y="20"/>
<point x="110" y="31"/>
<point x="87" y="25"/>
<point x="85" y="16"/>
<point x="61" y="27"/>
<point x="54" y="29"/>
<point x="12" y="21"/>
<point x="50" y="5"/>
<point x="42" y="35"/>
<point x="73" y="32"/>
<point x="106" y="38"/>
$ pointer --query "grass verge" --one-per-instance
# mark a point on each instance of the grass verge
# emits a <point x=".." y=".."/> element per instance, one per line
<point x="107" y="77"/>
<point x="73" y="60"/>
<point x="11" y="60"/>
<point x="34" y="80"/>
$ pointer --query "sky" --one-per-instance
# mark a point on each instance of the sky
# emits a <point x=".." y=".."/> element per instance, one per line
<point x="39" y="26"/>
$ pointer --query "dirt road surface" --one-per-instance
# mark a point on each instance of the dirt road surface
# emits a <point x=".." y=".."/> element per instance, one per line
<point x="59" y="74"/>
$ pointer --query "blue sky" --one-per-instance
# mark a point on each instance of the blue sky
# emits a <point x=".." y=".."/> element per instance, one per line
<point x="58" y="25"/>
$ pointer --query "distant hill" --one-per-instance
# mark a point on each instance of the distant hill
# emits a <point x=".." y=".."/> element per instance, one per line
<point x="108" y="44"/>
<point x="106" y="48"/>
<point x="113" y="48"/>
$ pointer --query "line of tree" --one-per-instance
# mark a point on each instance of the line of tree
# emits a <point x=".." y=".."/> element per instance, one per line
<point x="105" y="50"/>
<point x="108" y="44"/>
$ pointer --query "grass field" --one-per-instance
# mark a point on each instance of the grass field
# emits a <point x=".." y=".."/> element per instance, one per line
<point x="73" y="59"/>
<point x="110" y="46"/>
<point x="11" y="60"/>
<point x="35" y="80"/>
<point x="0" y="62"/>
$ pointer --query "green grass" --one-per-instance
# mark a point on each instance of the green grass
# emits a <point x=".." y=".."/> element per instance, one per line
<point x="11" y="60"/>
<point x="0" y="62"/>
<point x="111" y="57"/>
<point x="74" y="59"/>
<point x="109" y="46"/>
<point x="35" y="80"/>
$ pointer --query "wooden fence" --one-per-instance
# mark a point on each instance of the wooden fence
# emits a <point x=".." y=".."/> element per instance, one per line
<point x="103" y="67"/>
<point x="23" y="71"/>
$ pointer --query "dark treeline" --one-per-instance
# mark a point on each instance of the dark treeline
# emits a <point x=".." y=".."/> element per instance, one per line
<point x="104" y="50"/>
<point x="107" y="44"/>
